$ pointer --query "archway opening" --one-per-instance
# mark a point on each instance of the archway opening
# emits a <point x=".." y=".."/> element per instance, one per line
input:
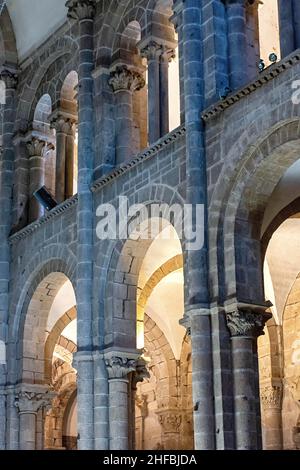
<point x="48" y="345"/>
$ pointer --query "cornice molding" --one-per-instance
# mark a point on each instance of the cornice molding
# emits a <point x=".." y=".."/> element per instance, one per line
<point x="140" y="158"/>
<point x="63" y="207"/>
<point x="266" y="76"/>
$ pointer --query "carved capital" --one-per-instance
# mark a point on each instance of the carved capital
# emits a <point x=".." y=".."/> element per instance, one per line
<point x="119" y="367"/>
<point x="81" y="9"/>
<point x="271" y="396"/>
<point x="141" y="372"/>
<point x="122" y="79"/>
<point x="170" y="420"/>
<point x="31" y="402"/>
<point x="247" y="322"/>
<point x="63" y="123"/>
<point x="36" y="147"/>
<point x="9" y="78"/>
<point x="167" y="54"/>
<point x="152" y="51"/>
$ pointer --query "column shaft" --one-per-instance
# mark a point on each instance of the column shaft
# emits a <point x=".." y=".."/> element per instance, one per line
<point x="197" y="294"/>
<point x="244" y="396"/>
<point x="153" y="98"/>
<point x="246" y="323"/>
<point x="286" y="27"/>
<point x="69" y="168"/>
<point x="202" y="372"/>
<point x="237" y="42"/>
<point x="83" y="11"/>
<point x="36" y="149"/>
<point x="124" y="123"/>
<point x="296" y="18"/>
<point x="60" y="165"/>
<point x="101" y="404"/>
<point x="124" y="83"/>
<point x="27" y="431"/>
<point x="6" y="185"/>
<point x="118" y="414"/>
<point x="164" y="93"/>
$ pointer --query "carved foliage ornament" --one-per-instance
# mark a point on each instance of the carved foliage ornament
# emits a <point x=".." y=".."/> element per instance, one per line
<point x="124" y="79"/>
<point x="32" y="402"/>
<point x="246" y="322"/>
<point x="170" y="421"/>
<point x="81" y="9"/>
<point x="271" y="397"/>
<point x="120" y="367"/>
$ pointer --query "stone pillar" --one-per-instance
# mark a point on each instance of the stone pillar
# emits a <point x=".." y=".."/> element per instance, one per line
<point x="177" y="21"/>
<point x="158" y="56"/>
<point x="170" y="421"/>
<point x="65" y="135"/>
<point x="124" y="83"/>
<point x="271" y="400"/>
<point x="202" y="378"/>
<point x="70" y="160"/>
<point x="286" y="27"/>
<point x="105" y="151"/>
<point x="6" y="184"/>
<point x="28" y="404"/>
<point x="296" y="18"/>
<point x="237" y="43"/>
<point x="245" y="323"/>
<point x="118" y="368"/>
<point x="152" y="52"/>
<point x="197" y="296"/>
<point x="165" y="58"/>
<point x="36" y="149"/>
<point x="101" y="418"/>
<point x="21" y="183"/>
<point x="137" y="376"/>
<point x="83" y="11"/>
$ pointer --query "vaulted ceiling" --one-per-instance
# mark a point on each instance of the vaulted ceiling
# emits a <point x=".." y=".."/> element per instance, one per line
<point x="33" y="21"/>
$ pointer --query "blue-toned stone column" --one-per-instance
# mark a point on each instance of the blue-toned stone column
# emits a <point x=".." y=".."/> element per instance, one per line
<point x="6" y="181"/>
<point x="124" y="83"/>
<point x="83" y="11"/>
<point x="245" y="323"/>
<point x="286" y="27"/>
<point x="197" y="297"/>
<point x="237" y="43"/>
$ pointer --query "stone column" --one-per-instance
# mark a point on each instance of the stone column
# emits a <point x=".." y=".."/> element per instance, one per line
<point x="286" y="27"/>
<point x="152" y="52"/>
<point x="166" y="56"/>
<point x="177" y="21"/>
<point x="36" y="148"/>
<point x="237" y="43"/>
<point x="21" y="183"/>
<point x="296" y="18"/>
<point x="118" y="368"/>
<point x="28" y="404"/>
<point x="83" y="11"/>
<point x="6" y="184"/>
<point x="137" y="376"/>
<point x="245" y="323"/>
<point x="197" y="296"/>
<point x="65" y="135"/>
<point x="271" y="400"/>
<point x="124" y="83"/>
<point x="70" y="160"/>
<point x="158" y="56"/>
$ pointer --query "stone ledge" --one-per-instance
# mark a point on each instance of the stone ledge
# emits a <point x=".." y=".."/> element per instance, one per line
<point x="139" y="158"/>
<point x="267" y="75"/>
<point x="64" y="206"/>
